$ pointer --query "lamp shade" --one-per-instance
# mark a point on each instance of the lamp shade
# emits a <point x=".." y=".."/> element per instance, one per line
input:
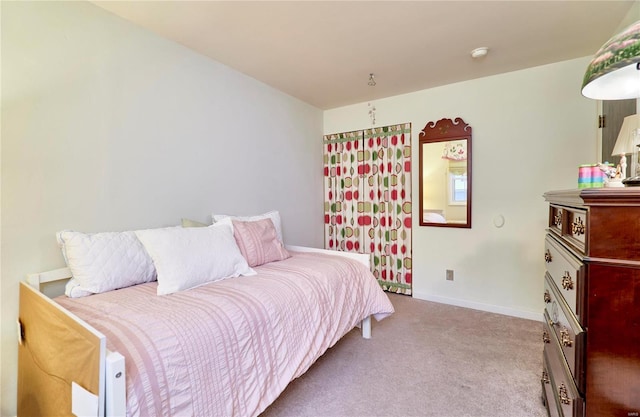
<point x="613" y="74"/>
<point x="625" y="141"/>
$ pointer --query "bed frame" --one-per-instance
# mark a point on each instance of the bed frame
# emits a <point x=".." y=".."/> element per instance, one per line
<point x="90" y="383"/>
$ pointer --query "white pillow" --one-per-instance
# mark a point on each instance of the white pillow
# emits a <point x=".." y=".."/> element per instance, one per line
<point x="273" y="215"/>
<point x="101" y="262"/>
<point x="189" y="257"/>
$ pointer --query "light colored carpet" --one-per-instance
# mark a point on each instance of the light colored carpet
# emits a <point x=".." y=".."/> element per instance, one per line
<point x="427" y="359"/>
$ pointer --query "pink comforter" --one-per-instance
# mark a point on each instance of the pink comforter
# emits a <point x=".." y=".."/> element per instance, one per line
<point x="229" y="348"/>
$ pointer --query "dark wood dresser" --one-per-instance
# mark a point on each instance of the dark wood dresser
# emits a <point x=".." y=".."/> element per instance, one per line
<point x="591" y="359"/>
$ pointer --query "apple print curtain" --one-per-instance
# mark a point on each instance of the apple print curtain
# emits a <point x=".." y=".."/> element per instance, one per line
<point x="368" y="199"/>
<point x="342" y="191"/>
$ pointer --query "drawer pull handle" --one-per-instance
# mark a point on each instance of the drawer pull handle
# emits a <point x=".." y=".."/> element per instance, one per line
<point x="567" y="282"/>
<point x="547" y="256"/>
<point x="557" y="219"/>
<point x="564" y="336"/>
<point x="545" y="377"/>
<point x="547" y="296"/>
<point x="577" y="227"/>
<point x="545" y="337"/>
<point x="563" y="395"/>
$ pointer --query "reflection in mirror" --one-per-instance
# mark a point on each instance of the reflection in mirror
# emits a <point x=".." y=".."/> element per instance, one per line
<point x="445" y="174"/>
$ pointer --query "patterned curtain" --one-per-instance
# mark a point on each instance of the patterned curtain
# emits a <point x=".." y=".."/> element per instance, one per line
<point x="343" y="189"/>
<point x="368" y="199"/>
<point x="387" y="192"/>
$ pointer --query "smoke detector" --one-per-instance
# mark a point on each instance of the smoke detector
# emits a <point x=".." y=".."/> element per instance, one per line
<point x="479" y="52"/>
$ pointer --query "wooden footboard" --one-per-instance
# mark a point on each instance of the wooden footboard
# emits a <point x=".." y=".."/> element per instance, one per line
<point x="64" y="367"/>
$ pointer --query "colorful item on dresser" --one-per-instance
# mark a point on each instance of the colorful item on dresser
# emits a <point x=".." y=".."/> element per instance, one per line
<point x="590" y="176"/>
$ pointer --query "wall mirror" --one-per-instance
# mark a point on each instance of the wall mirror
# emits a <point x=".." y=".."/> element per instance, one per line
<point x="445" y="174"/>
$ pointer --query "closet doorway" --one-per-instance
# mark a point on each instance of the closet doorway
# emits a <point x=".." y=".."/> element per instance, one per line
<point x="367" y="200"/>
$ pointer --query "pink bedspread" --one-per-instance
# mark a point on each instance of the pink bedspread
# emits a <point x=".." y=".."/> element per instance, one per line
<point x="229" y="348"/>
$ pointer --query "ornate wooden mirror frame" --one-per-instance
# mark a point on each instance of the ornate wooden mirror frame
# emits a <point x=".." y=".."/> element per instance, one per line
<point x="445" y="174"/>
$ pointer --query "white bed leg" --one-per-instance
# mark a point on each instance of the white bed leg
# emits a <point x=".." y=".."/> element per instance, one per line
<point x="366" y="327"/>
<point x="116" y="389"/>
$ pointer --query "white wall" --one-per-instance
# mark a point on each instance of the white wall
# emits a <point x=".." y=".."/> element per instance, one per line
<point x="531" y="130"/>
<point x="106" y="126"/>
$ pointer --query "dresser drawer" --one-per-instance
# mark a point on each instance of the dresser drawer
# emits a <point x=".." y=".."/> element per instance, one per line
<point x="576" y="228"/>
<point x="563" y="399"/>
<point x="567" y="397"/>
<point x="570" y="335"/>
<point x="555" y="219"/>
<point x="547" y="390"/>
<point x="569" y="275"/>
<point x="570" y="225"/>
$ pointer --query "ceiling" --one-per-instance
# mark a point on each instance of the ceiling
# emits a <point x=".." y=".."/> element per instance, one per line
<point x="322" y="52"/>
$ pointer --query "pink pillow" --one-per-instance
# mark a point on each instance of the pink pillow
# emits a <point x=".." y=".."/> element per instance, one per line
<point x="258" y="241"/>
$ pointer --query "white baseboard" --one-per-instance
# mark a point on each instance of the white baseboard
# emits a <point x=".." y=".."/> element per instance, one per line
<point x="523" y="314"/>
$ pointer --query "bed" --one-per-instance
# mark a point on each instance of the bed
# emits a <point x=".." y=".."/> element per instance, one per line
<point x="227" y="348"/>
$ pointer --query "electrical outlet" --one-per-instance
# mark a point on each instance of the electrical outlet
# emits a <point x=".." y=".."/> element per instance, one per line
<point x="449" y="274"/>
